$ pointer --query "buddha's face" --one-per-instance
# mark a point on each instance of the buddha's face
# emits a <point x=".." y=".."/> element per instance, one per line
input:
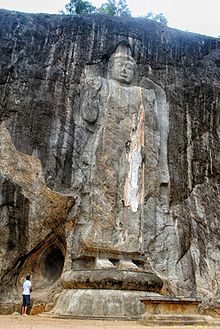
<point x="122" y="70"/>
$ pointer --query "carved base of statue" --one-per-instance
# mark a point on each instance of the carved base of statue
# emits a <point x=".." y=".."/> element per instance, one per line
<point x="101" y="304"/>
<point x="111" y="279"/>
<point x="106" y="293"/>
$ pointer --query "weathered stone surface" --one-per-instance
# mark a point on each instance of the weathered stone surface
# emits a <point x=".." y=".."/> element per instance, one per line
<point x="47" y="139"/>
<point x="171" y="311"/>
<point x="111" y="279"/>
<point x="126" y="130"/>
<point x="101" y="303"/>
<point x="37" y="211"/>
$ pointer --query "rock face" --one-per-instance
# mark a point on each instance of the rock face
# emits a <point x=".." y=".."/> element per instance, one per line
<point x="108" y="157"/>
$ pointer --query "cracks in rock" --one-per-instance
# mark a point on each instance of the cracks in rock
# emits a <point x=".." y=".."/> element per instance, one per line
<point x="158" y="234"/>
<point x="205" y="228"/>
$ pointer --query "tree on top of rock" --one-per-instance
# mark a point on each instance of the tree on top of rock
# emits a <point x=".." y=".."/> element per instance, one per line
<point x="108" y="8"/>
<point x="115" y="9"/>
<point x="122" y="9"/>
<point x="111" y="7"/>
<point x="160" y="18"/>
<point x="78" y="7"/>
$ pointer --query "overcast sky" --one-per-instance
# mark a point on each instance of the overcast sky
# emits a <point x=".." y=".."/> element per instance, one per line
<point x="200" y="16"/>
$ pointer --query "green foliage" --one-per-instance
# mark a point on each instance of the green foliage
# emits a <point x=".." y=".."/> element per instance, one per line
<point x="115" y="9"/>
<point x="122" y="9"/>
<point x="157" y="17"/>
<point x="78" y="7"/>
<point x="108" y="8"/>
<point x="111" y="7"/>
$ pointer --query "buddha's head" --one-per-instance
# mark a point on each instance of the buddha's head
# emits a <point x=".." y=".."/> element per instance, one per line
<point x="121" y="66"/>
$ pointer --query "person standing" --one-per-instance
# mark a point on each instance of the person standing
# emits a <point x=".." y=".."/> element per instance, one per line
<point x="26" y="292"/>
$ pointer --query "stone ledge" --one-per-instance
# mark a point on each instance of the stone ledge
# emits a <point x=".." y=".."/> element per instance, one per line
<point x="171" y="310"/>
<point x="178" y="319"/>
<point x="171" y="300"/>
<point x="166" y="305"/>
<point x="114" y="279"/>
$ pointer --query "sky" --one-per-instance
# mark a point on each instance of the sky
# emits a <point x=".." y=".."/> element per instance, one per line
<point x="199" y="16"/>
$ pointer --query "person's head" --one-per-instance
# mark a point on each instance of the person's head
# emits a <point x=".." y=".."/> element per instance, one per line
<point x="121" y="66"/>
<point x="28" y="277"/>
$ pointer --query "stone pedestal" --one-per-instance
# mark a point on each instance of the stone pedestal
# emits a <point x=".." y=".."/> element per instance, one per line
<point x="111" y="279"/>
<point x="105" y="293"/>
<point x="100" y="304"/>
<point x="167" y="311"/>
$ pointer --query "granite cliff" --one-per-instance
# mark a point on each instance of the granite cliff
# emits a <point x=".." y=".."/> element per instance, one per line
<point x="46" y="143"/>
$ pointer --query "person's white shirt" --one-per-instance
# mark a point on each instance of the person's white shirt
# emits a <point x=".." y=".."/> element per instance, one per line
<point x="26" y="287"/>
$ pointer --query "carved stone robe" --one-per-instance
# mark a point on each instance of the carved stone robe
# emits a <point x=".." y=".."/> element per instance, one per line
<point x="124" y="172"/>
